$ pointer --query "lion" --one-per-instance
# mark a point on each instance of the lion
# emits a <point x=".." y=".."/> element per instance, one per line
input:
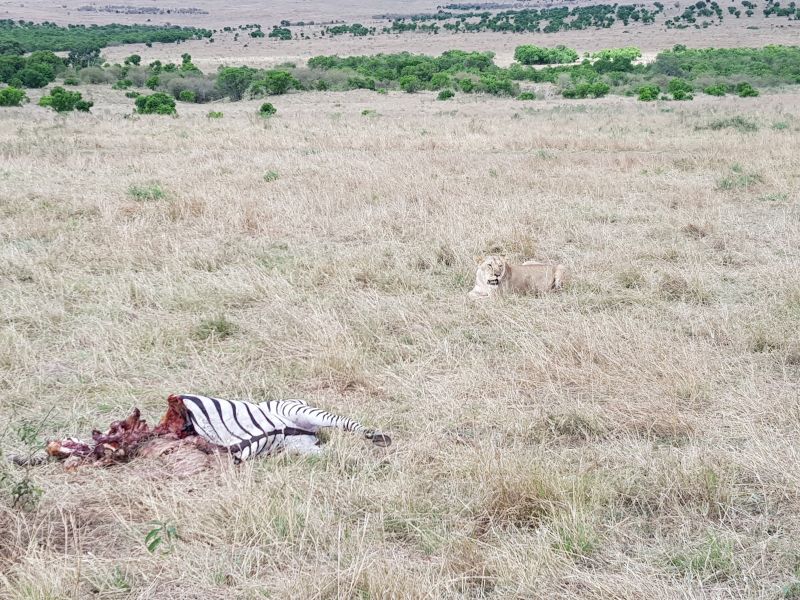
<point x="495" y="275"/>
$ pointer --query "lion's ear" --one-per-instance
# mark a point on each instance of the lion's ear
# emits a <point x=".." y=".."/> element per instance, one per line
<point x="478" y="259"/>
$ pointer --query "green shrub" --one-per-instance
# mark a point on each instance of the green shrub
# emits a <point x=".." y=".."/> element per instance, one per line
<point x="715" y="90"/>
<point x="235" y="81"/>
<point x="133" y="59"/>
<point x="280" y="33"/>
<point x="648" y="93"/>
<point x="275" y="83"/>
<point x="187" y="96"/>
<point x="132" y="94"/>
<point x="214" y="114"/>
<point x="156" y="104"/>
<point x="445" y="95"/>
<point x="526" y="96"/>
<point x="60" y="100"/>
<point x="267" y="110"/>
<point x="534" y="55"/>
<point x="598" y="89"/>
<point x="410" y="84"/>
<point x="271" y="176"/>
<point x="11" y="96"/>
<point x="152" y="82"/>
<point x="122" y="84"/>
<point x="33" y="78"/>
<point x="745" y="90"/>
<point x="467" y="85"/>
<point x="440" y="81"/>
<point x="71" y="81"/>
<point x="680" y="89"/>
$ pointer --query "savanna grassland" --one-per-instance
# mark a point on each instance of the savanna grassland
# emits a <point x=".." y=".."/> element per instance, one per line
<point x="634" y="436"/>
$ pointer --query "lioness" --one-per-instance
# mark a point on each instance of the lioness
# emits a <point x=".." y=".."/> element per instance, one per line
<point x="496" y="275"/>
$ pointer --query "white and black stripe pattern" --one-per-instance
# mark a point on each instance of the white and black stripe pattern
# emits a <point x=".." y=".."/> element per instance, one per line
<point x="247" y="429"/>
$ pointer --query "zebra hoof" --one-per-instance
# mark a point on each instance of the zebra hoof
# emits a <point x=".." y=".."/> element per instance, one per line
<point x="380" y="439"/>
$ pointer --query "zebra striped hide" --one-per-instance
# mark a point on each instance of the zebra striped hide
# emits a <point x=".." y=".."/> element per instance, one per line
<point x="247" y="429"/>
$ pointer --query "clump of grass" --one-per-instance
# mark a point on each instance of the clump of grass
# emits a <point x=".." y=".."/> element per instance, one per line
<point x="573" y="426"/>
<point x="368" y="112"/>
<point x="526" y="500"/>
<point x="776" y="197"/>
<point x="738" y="122"/>
<point x="214" y="114"/>
<point x="694" y="231"/>
<point x="739" y="180"/>
<point x="271" y="176"/>
<point x="215" y="328"/>
<point x="711" y="560"/>
<point x="677" y="288"/>
<point x="146" y="193"/>
<point x="575" y="537"/>
<point x="631" y="279"/>
<point x="780" y="126"/>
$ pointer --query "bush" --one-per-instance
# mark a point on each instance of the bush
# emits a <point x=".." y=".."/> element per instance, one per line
<point x="745" y="90"/>
<point x="234" y="81"/>
<point x="275" y="83"/>
<point x="410" y="83"/>
<point x="11" y="96"/>
<point x="680" y="89"/>
<point x="213" y="114"/>
<point x="60" y="100"/>
<point x="597" y="89"/>
<point x="648" y="93"/>
<point x="187" y="96"/>
<point x="122" y="84"/>
<point x="467" y="85"/>
<point x="534" y="55"/>
<point x="133" y="59"/>
<point x="132" y="94"/>
<point x="152" y="82"/>
<point x="71" y="81"/>
<point x="715" y="90"/>
<point x="156" y="104"/>
<point x="33" y="78"/>
<point x="445" y="95"/>
<point x="267" y="110"/>
<point x="526" y="96"/>
<point x="280" y="33"/>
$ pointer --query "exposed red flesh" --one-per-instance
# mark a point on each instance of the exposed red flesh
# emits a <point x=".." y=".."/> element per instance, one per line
<point x="133" y="437"/>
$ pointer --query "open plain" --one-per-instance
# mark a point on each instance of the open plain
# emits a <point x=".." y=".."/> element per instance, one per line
<point x="633" y="436"/>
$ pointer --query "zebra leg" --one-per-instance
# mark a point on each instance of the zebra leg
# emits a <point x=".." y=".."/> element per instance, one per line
<point x="313" y="419"/>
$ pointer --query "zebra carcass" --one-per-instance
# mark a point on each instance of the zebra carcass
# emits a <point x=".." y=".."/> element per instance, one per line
<point x="195" y="428"/>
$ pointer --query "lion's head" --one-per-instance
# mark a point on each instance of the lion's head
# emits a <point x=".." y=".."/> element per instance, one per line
<point x="493" y="268"/>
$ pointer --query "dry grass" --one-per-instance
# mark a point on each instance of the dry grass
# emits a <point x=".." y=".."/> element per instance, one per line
<point x="634" y="436"/>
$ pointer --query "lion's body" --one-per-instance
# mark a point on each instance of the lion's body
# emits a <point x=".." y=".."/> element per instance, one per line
<point x="496" y="276"/>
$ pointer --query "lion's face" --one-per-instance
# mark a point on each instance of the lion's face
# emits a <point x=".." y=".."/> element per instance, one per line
<point x="493" y="267"/>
